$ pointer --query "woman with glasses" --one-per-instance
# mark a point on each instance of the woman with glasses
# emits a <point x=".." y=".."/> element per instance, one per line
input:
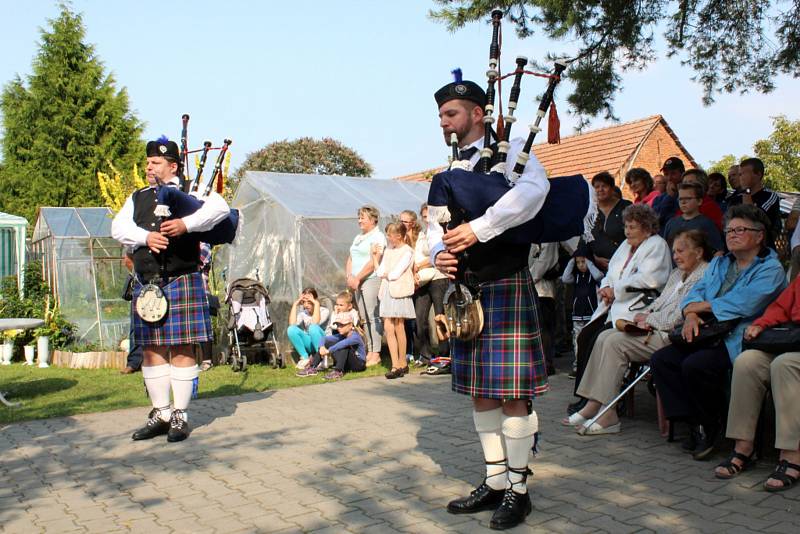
<point x="692" y="379"/>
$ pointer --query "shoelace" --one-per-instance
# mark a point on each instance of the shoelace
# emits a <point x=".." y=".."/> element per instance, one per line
<point x="176" y="421"/>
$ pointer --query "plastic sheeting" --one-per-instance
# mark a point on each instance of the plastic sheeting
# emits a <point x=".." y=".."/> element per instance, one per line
<point x="297" y="229"/>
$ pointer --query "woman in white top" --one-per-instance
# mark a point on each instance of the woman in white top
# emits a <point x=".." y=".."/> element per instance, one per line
<point x="642" y="261"/>
<point x="362" y="281"/>
<point x="397" y="285"/>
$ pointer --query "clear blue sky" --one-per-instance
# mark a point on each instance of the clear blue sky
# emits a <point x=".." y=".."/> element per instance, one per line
<point x="362" y="72"/>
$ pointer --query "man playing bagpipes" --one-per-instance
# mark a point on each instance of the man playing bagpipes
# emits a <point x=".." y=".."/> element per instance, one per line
<point x="170" y="308"/>
<point x="503" y="368"/>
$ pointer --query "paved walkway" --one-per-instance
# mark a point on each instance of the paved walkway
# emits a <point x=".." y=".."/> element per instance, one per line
<point x="367" y="455"/>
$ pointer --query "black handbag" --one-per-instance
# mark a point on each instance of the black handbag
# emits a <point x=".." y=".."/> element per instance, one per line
<point x="776" y="340"/>
<point x="712" y="333"/>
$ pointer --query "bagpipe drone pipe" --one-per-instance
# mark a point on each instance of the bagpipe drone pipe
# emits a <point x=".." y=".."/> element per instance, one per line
<point x="461" y="195"/>
<point x="174" y="203"/>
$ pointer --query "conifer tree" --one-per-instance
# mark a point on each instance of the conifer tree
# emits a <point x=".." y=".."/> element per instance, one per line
<point x="62" y="124"/>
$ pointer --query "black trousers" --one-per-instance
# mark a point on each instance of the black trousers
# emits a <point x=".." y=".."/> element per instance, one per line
<point x="692" y="384"/>
<point x="586" y="341"/>
<point x="347" y="359"/>
<point x="547" y="316"/>
<point x="431" y="294"/>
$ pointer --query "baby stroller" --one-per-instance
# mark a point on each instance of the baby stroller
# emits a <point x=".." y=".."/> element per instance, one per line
<point x="249" y="325"/>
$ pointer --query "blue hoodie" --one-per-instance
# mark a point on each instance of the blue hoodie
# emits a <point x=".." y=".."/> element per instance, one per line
<point x="757" y="286"/>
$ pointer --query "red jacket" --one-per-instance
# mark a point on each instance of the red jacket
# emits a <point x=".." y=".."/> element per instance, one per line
<point x="710" y="209"/>
<point x="785" y="309"/>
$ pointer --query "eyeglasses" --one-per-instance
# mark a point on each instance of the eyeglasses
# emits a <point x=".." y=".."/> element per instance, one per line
<point x="741" y="230"/>
<point x="687" y="199"/>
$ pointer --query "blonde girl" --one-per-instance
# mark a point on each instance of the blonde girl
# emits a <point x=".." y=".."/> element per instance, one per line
<point x="394" y="267"/>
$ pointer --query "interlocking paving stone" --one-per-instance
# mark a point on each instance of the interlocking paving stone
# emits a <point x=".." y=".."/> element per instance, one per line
<point x="257" y="463"/>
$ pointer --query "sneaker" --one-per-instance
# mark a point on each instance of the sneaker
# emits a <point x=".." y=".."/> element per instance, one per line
<point x="178" y="427"/>
<point x="334" y="375"/>
<point x="302" y="364"/>
<point x="308" y="371"/>
<point x="572" y="374"/>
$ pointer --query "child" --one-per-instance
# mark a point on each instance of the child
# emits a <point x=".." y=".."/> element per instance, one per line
<point x="582" y="272"/>
<point x="343" y="306"/>
<point x="396" y="271"/>
<point x="307" y="331"/>
<point x="690" y="199"/>
<point x="346" y="348"/>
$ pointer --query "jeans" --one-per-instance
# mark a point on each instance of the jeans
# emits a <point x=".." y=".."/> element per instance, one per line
<point x="305" y="342"/>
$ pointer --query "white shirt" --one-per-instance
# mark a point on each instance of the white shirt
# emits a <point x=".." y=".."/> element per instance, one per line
<point x="211" y="213"/>
<point x="519" y="205"/>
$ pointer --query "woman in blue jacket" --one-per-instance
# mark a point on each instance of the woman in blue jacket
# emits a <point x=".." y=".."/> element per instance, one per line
<point x="739" y="285"/>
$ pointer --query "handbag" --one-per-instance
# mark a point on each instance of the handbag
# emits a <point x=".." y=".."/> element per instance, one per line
<point x="127" y="291"/>
<point x="712" y="333"/>
<point x="463" y="312"/>
<point x="152" y="304"/>
<point x="776" y="340"/>
<point x="425" y="275"/>
<point x="631" y="328"/>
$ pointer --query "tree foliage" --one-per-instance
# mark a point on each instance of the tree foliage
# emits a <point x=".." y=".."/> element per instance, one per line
<point x="63" y="124"/>
<point x="730" y="46"/>
<point x="115" y="187"/>
<point x="780" y="153"/>
<point x="306" y="156"/>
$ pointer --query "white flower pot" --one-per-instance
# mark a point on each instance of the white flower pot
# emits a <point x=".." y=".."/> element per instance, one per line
<point x="8" y="353"/>
<point x="30" y="352"/>
<point x="43" y="348"/>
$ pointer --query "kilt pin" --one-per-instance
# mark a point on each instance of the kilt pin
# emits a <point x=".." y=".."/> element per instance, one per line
<point x="187" y="320"/>
<point x="506" y="361"/>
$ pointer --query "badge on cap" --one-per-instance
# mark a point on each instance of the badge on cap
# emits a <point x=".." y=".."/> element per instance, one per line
<point x="162" y="149"/>
<point x="460" y="89"/>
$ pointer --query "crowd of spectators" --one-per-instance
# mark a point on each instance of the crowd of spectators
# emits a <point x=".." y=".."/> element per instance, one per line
<point x="678" y="280"/>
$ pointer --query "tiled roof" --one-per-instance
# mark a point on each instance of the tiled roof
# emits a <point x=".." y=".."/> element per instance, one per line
<point x="604" y="149"/>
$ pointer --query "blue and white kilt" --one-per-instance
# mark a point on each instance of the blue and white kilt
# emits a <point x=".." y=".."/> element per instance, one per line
<point x="187" y="321"/>
<point x="506" y="361"/>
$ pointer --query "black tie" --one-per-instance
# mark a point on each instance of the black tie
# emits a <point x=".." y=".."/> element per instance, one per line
<point x="467" y="153"/>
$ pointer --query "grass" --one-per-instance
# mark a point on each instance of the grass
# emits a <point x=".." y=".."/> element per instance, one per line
<point x="57" y="392"/>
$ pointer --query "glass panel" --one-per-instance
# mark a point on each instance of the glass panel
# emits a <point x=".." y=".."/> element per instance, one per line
<point x="64" y="221"/>
<point x="96" y="220"/>
<point x="76" y="294"/>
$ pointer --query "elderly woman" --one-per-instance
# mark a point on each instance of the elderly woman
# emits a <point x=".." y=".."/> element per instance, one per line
<point x="641" y="185"/>
<point x="362" y="281"/>
<point x="690" y="379"/>
<point x="642" y="261"/>
<point x="609" y="230"/>
<point x="616" y="348"/>
<point x="753" y="372"/>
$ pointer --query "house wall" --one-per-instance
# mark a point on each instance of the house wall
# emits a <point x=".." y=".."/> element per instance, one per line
<point x="658" y="146"/>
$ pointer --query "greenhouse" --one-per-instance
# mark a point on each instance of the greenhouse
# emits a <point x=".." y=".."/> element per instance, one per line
<point x="297" y="229"/>
<point x="12" y="247"/>
<point x="83" y="266"/>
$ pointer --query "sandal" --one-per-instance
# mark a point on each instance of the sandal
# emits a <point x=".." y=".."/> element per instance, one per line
<point x="782" y="476"/>
<point x="733" y="469"/>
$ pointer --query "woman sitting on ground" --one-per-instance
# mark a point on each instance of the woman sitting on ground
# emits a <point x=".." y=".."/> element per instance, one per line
<point x="635" y="341"/>
<point x="753" y="372"/>
<point x="308" y="329"/>
<point x="691" y="380"/>
<point x="642" y="261"/>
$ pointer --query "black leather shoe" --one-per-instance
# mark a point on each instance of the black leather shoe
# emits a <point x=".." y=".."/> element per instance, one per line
<point x="481" y="498"/>
<point x="708" y="445"/>
<point x="155" y="426"/>
<point x="576" y="406"/>
<point x="513" y="510"/>
<point x="693" y="440"/>
<point x="178" y="427"/>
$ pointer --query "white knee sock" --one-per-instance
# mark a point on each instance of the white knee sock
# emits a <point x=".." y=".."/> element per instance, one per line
<point x="183" y="385"/>
<point x="518" y="435"/>
<point x="157" y="380"/>
<point x="488" y="425"/>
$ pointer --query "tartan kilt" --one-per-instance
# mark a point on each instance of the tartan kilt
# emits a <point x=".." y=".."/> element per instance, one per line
<point x="187" y="320"/>
<point x="506" y="361"/>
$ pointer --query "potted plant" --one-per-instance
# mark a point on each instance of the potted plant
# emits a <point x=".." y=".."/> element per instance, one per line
<point x="8" y="346"/>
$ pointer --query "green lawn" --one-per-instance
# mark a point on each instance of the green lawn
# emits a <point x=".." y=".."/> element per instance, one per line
<point x="55" y="392"/>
